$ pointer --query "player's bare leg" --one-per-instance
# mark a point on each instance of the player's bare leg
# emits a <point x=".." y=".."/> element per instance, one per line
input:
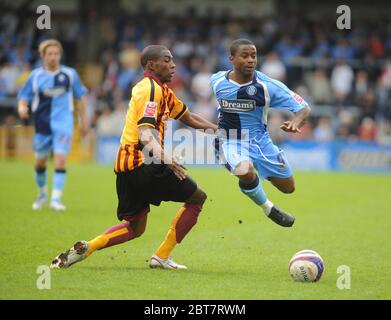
<point x="41" y="180"/>
<point x="123" y="232"/>
<point x="183" y="221"/>
<point x="59" y="178"/>
<point x="251" y="186"/>
<point x="285" y="185"/>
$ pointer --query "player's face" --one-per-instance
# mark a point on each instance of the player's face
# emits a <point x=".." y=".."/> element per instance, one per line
<point x="52" y="57"/>
<point x="164" y="67"/>
<point x="245" y="60"/>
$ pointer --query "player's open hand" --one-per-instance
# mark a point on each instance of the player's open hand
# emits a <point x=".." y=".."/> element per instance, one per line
<point x="23" y="111"/>
<point x="178" y="169"/>
<point x="290" y="126"/>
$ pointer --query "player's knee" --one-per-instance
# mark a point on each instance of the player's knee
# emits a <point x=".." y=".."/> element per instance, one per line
<point x="60" y="162"/>
<point x="139" y="232"/>
<point x="202" y="196"/>
<point x="288" y="188"/>
<point x="40" y="164"/>
<point x="199" y="197"/>
<point x="245" y="171"/>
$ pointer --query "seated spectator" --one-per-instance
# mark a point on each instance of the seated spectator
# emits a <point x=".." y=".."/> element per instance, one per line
<point x="384" y="133"/>
<point x="341" y="81"/>
<point x="367" y="104"/>
<point x="200" y="84"/>
<point x="319" y="86"/>
<point x="273" y="67"/>
<point x="346" y="128"/>
<point x="367" y="130"/>
<point x="323" y="131"/>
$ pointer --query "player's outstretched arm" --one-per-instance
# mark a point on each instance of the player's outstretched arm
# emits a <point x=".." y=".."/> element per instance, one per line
<point x="197" y="122"/>
<point x="297" y="121"/>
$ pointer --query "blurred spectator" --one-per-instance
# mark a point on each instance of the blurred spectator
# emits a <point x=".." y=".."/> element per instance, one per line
<point x="111" y="123"/>
<point x="9" y="75"/>
<point x="111" y="71"/>
<point x="205" y="108"/>
<point x="273" y="67"/>
<point x="200" y="84"/>
<point x="376" y="46"/>
<point x="341" y="81"/>
<point x="323" y="131"/>
<point x="345" y="126"/>
<point x="322" y="47"/>
<point x="288" y="49"/>
<point x="384" y="133"/>
<point x="367" y="104"/>
<point x="384" y="86"/>
<point x="342" y="50"/>
<point x="361" y="84"/>
<point x="367" y="130"/>
<point x="319" y="86"/>
<point x="130" y="68"/>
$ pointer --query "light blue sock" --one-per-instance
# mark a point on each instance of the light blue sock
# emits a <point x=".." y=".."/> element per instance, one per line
<point x="59" y="178"/>
<point x="257" y="195"/>
<point x="40" y="180"/>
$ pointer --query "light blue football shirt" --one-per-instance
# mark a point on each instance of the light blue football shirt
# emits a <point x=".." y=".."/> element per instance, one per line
<point x="52" y="94"/>
<point x="245" y="107"/>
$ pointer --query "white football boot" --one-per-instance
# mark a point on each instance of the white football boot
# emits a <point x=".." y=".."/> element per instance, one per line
<point x="57" y="206"/>
<point x="75" y="254"/>
<point x="40" y="201"/>
<point x="156" y="262"/>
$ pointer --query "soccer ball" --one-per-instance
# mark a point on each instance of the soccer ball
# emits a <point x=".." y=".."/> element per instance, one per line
<point x="306" y="266"/>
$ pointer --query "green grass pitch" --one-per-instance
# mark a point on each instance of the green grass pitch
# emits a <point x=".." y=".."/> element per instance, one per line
<point x="234" y="252"/>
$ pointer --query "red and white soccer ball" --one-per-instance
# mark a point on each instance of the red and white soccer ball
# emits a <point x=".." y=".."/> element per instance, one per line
<point x="306" y="266"/>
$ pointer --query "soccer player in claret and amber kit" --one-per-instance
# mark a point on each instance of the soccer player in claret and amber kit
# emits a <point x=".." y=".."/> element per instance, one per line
<point x="140" y="184"/>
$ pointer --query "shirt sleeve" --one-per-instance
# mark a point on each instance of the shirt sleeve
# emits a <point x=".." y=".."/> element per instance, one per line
<point x="78" y="88"/>
<point x="176" y="106"/>
<point x="147" y="102"/>
<point x="281" y="97"/>
<point x="26" y="92"/>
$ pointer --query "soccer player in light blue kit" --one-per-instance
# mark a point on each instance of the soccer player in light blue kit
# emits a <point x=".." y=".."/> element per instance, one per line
<point x="244" y="145"/>
<point x="51" y="90"/>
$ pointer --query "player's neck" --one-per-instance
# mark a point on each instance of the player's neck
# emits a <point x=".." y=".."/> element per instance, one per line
<point x="240" y="78"/>
<point x="52" y="68"/>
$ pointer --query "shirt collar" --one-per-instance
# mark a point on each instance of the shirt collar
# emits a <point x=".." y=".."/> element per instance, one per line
<point x="254" y="79"/>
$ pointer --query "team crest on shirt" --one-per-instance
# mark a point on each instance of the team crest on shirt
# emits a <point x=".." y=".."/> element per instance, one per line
<point x="150" y="109"/>
<point x="61" y="78"/>
<point x="251" y="90"/>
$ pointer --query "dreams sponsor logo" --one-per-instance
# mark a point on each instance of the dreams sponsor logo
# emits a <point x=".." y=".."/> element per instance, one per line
<point x="239" y="105"/>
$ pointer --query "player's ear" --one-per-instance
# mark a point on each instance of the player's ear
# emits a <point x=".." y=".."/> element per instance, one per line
<point x="150" y="65"/>
<point x="231" y="58"/>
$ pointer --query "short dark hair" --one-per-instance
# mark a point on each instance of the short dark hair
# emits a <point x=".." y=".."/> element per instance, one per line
<point x="238" y="42"/>
<point x="152" y="52"/>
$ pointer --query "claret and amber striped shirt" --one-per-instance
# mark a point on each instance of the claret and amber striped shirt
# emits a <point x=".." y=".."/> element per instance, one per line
<point x="152" y="103"/>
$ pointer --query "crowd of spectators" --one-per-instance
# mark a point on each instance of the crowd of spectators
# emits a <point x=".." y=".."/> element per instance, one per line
<point x="344" y="75"/>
